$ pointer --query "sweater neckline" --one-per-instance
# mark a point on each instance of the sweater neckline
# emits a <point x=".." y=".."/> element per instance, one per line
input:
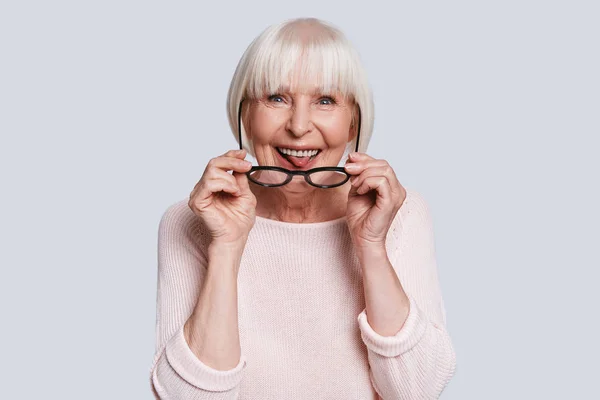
<point x="301" y="225"/>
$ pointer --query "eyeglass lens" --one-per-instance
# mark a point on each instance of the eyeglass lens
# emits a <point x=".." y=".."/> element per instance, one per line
<point x="320" y="178"/>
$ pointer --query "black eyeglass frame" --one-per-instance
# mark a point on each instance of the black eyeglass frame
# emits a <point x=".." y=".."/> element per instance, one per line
<point x="291" y="173"/>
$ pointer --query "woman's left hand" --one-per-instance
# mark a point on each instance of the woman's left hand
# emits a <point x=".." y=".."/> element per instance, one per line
<point x="375" y="197"/>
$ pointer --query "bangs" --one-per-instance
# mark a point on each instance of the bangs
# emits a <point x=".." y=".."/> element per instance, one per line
<point x="293" y="61"/>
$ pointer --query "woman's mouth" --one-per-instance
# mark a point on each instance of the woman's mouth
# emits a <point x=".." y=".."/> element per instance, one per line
<point x="298" y="158"/>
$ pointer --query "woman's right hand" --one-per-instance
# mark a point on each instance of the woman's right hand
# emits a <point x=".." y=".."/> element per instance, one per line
<point x="224" y="201"/>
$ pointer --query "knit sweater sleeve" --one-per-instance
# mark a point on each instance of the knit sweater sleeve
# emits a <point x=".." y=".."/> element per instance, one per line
<point x="176" y="372"/>
<point x="419" y="361"/>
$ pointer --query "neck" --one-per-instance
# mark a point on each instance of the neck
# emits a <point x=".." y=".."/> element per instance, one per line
<point x="307" y="205"/>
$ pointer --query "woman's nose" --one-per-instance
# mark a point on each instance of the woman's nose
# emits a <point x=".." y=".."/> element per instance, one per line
<point x="300" y="122"/>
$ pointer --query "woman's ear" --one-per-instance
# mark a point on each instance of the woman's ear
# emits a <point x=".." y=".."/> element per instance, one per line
<point x="353" y="123"/>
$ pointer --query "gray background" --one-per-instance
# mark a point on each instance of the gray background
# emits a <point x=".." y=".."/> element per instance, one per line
<point x="110" y="110"/>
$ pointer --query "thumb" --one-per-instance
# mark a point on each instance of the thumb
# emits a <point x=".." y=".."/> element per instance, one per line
<point x="242" y="181"/>
<point x="353" y="191"/>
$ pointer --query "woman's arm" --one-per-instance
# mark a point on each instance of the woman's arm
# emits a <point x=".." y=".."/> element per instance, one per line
<point x="212" y="330"/>
<point x="403" y="325"/>
<point x="197" y="339"/>
<point x="387" y="304"/>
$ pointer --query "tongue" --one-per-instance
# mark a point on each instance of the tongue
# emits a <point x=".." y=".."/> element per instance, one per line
<point x="298" y="161"/>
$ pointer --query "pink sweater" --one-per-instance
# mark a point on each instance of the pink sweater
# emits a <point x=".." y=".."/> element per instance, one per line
<point x="304" y="333"/>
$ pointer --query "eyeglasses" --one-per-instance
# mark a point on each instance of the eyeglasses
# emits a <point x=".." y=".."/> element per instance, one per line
<point x="271" y="176"/>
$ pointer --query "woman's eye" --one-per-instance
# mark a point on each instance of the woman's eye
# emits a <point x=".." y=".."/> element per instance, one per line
<point x="326" y="101"/>
<point x="276" y="98"/>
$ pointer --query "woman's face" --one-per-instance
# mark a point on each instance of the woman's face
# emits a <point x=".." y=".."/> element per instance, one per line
<point x="300" y="130"/>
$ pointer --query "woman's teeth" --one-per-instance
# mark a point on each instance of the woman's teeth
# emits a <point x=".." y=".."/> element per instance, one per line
<point x="298" y="153"/>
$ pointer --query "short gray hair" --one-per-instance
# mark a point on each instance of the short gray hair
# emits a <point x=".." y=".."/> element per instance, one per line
<point x="326" y="56"/>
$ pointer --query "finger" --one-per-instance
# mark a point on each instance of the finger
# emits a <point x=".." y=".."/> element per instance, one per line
<point x="352" y="191"/>
<point x="227" y="163"/>
<point x="356" y="156"/>
<point x="236" y="153"/>
<point x="358" y="180"/>
<point x="215" y="173"/>
<point x="379" y="170"/>
<point x="242" y="182"/>
<point x="362" y="160"/>
<point x="387" y="172"/>
<point x="355" y="168"/>
<point x="377" y="183"/>
<point x="207" y="190"/>
<point x="217" y="185"/>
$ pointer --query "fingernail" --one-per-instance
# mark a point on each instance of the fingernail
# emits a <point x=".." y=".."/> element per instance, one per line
<point x="351" y="167"/>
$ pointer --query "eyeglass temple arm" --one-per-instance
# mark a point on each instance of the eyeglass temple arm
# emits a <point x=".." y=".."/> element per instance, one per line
<point x="240" y="126"/>
<point x="358" y="132"/>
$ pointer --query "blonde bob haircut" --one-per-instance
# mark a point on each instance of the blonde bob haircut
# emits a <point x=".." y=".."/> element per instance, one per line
<point x="326" y="58"/>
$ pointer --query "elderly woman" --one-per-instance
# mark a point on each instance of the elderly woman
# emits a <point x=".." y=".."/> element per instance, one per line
<point x="298" y="278"/>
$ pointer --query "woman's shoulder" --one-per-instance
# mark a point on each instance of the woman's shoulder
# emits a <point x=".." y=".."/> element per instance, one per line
<point x="178" y="209"/>
<point x="178" y="222"/>
<point x="179" y="214"/>
<point x="414" y="205"/>
<point x="414" y="214"/>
